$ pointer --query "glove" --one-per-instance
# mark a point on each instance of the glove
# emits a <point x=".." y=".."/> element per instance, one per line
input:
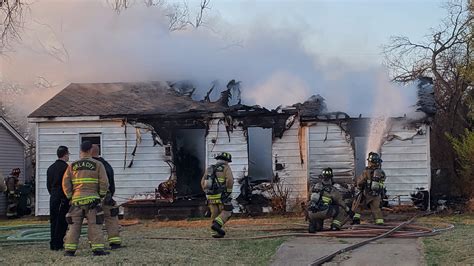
<point x="94" y="204"/>
<point x="312" y="206"/>
<point x="108" y="200"/>
<point x="350" y="213"/>
<point x="225" y="197"/>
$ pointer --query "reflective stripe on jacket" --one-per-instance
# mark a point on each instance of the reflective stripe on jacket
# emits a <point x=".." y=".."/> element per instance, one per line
<point x="84" y="181"/>
<point x="224" y="177"/>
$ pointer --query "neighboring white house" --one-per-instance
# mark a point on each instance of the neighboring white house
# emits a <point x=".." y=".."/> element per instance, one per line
<point x="143" y="128"/>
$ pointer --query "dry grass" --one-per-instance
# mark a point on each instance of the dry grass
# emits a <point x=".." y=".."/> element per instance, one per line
<point x="452" y="247"/>
<point x="140" y="249"/>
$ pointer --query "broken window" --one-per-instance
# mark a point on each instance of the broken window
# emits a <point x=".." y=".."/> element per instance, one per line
<point x="189" y="157"/>
<point x="360" y="154"/>
<point x="260" y="154"/>
<point x="95" y="138"/>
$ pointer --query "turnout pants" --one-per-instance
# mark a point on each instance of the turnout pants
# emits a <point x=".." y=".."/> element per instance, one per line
<point x="111" y="223"/>
<point x="220" y="213"/>
<point x="12" y="207"/>
<point x="338" y="215"/>
<point x="374" y="204"/>
<point x="75" y="217"/>
<point x="58" y="208"/>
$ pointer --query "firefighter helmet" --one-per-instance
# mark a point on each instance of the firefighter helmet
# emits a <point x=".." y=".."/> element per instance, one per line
<point x="374" y="158"/>
<point x="16" y="171"/>
<point x="224" y="156"/>
<point x="326" y="176"/>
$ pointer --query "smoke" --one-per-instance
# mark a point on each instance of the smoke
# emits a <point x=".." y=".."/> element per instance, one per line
<point x="388" y="101"/>
<point x="86" y="41"/>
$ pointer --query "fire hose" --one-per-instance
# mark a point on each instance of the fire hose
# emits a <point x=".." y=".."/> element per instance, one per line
<point x="357" y="231"/>
<point x="329" y="257"/>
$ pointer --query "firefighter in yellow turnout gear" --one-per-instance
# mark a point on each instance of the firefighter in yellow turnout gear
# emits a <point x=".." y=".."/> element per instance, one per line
<point x="371" y="183"/>
<point x="85" y="183"/>
<point x="217" y="183"/>
<point x="12" y="185"/>
<point x="326" y="202"/>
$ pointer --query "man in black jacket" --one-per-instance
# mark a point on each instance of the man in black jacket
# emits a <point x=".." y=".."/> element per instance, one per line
<point x="58" y="203"/>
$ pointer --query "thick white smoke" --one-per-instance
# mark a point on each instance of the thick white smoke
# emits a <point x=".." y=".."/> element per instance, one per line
<point x="86" y="41"/>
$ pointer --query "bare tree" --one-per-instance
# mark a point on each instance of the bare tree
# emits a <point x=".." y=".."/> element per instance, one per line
<point x="11" y="21"/>
<point x="179" y="15"/>
<point x="445" y="56"/>
<point x="200" y="15"/>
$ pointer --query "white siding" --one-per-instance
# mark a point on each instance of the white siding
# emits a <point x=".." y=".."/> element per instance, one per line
<point x="287" y="151"/>
<point x="406" y="162"/>
<point x="237" y="147"/>
<point x="148" y="170"/>
<point x="329" y="146"/>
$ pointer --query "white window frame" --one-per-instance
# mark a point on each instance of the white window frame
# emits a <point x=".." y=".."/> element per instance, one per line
<point x="92" y="134"/>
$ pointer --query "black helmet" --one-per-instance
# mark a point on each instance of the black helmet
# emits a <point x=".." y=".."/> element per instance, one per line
<point x="16" y="171"/>
<point x="326" y="176"/>
<point x="224" y="156"/>
<point x="374" y="158"/>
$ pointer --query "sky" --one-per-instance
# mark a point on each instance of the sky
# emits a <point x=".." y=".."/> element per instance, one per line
<point x="350" y="30"/>
<point x="282" y="51"/>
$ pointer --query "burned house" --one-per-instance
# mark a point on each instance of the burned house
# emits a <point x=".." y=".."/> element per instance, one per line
<point x="152" y="133"/>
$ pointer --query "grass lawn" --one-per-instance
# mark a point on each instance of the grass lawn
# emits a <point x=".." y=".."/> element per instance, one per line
<point x="142" y="250"/>
<point x="452" y="247"/>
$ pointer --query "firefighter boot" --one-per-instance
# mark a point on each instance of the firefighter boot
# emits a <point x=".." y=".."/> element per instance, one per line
<point x="70" y="253"/>
<point x="335" y="227"/>
<point x="356" y="218"/>
<point x="315" y="225"/>
<point x="115" y="246"/>
<point x="100" y="253"/>
<point x="216" y="227"/>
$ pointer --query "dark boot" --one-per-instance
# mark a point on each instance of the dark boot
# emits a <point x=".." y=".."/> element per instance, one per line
<point x="100" y="253"/>
<point x="70" y="253"/>
<point x="216" y="227"/>
<point x="356" y="221"/>
<point x="315" y="226"/>
<point x="217" y="235"/>
<point x="115" y="246"/>
<point x="312" y="227"/>
<point x="335" y="227"/>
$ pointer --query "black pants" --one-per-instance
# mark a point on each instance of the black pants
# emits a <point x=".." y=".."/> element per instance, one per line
<point x="58" y="207"/>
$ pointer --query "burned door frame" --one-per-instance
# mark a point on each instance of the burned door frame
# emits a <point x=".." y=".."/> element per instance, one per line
<point x="202" y="161"/>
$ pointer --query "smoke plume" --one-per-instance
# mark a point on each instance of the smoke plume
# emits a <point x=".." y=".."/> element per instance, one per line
<point x="86" y="41"/>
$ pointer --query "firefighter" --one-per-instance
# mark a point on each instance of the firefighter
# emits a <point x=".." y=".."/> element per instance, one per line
<point x="217" y="183"/>
<point x="111" y="210"/>
<point x="58" y="203"/>
<point x="371" y="184"/>
<point x="85" y="184"/>
<point x="12" y="184"/>
<point x="326" y="202"/>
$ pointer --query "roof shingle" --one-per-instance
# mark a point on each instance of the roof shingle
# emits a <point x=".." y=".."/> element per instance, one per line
<point x="117" y="99"/>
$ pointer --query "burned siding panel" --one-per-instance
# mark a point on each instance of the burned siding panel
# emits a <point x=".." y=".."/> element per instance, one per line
<point x="286" y="151"/>
<point x="406" y="162"/>
<point x="330" y="147"/>
<point x="147" y="172"/>
<point x="219" y="140"/>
